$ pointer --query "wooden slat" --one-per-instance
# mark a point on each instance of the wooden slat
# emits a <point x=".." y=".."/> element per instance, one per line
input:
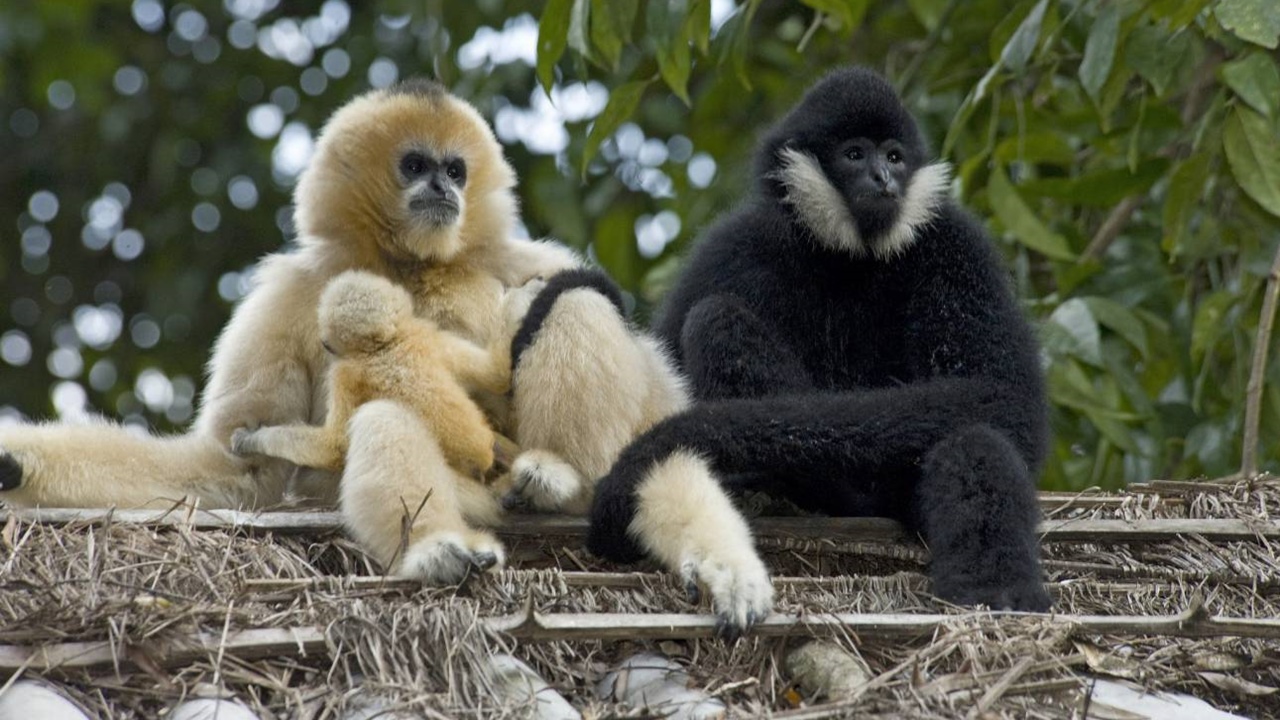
<point x="567" y="527"/>
<point x="534" y="627"/>
<point x="245" y="644"/>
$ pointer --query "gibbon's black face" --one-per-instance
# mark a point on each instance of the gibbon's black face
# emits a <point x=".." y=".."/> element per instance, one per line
<point x="874" y="177"/>
<point x="848" y="163"/>
<point x="433" y="186"/>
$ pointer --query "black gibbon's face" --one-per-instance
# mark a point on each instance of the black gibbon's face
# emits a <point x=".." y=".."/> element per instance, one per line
<point x="849" y="165"/>
<point x="873" y="178"/>
<point x="433" y="187"/>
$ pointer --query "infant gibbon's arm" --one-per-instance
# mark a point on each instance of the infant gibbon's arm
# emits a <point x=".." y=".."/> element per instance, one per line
<point x="474" y="367"/>
<point x="324" y="447"/>
<point x="302" y="445"/>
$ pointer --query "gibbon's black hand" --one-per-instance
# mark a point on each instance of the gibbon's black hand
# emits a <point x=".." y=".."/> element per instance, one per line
<point x="855" y="346"/>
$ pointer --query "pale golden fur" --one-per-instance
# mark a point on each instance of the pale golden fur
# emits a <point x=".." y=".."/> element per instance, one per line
<point x="582" y="391"/>
<point x="268" y="367"/>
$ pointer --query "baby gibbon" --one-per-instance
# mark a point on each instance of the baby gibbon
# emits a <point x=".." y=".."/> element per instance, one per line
<point x="382" y="351"/>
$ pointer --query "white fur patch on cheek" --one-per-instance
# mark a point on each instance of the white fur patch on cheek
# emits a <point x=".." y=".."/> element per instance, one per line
<point x="820" y="206"/>
<point x="925" y="194"/>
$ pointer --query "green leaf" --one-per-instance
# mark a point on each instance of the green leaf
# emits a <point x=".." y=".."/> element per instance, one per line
<point x="842" y="10"/>
<point x="1100" y="51"/>
<point x="1208" y="325"/>
<point x="1081" y="337"/>
<point x="928" y="12"/>
<point x="619" y="15"/>
<point x="1103" y="188"/>
<point x="1186" y="185"/>
<point x="1037" y="147"/>
<point x="737" y="33"/>
<point x="1153" y="54"/>
<point x="1018" y="219"/>
<point x="579" y="28"/>
<point x="1120" y="320"/>
<point x="611" y="22"/>
<point x="1255" y="21"/>
<point x="698" y="25"/>
<point x="675" y="66"/>
<point x="614" y="240"/>
<point x="665" y="21"/>
<point x="623" y="101"/>
<point x="1179" y="13"/>
<point x="1014" y="55"/>
<point x="1022" y="44"/>
<point x="1254" y="155"/>
<point x="553" y="33"/>
<point x="1255" y="79"/>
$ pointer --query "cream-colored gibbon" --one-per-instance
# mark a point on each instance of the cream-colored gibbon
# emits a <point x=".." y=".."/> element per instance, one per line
<point x="408" y="184"/>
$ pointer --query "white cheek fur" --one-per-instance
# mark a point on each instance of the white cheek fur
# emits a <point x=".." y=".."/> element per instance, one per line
<point x="824" y="211"/>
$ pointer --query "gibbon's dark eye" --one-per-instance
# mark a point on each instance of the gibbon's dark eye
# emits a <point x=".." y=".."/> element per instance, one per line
<point x="457" y="171"/>
<point x="413" y="164"/>
<point x="855" y="153"/>
<point x="895" y="156"/>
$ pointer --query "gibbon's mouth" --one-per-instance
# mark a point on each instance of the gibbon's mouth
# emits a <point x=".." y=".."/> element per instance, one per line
<point x="438" y="211"/>
<point x="881" y="197"/>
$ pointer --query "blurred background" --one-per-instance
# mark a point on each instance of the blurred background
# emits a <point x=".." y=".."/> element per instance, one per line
<point x="1124" y="155"/>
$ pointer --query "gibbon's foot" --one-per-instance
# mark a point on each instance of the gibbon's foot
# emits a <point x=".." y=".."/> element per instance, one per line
<point x="243" y="442"/>
<point x="1025" y="595"/>
<point x="10" y="472"/>
<point x="740" y="589"/>
<point x="447" y="558"/>
<point x="543" y="483"/>
<point x="976" y="507"/>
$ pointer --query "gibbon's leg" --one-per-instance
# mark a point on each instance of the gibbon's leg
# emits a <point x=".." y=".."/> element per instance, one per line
<point x="729" y="353"/>
<point x="976" y="508"/>
<point x="401" y="500"/>
<point x="846" y="453"/>
<point x="303" y="445"/>
<point x="585" y="385"/>
<point x="102" y="465"/>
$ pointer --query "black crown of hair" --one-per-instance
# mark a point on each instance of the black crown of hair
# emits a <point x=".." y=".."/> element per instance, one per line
<point x="846" y="103"/>
<point x="422" y="87"/>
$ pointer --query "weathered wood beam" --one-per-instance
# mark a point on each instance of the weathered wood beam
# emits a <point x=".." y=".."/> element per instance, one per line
<point x="531" y="626"/>
<point x="562" y="526"/>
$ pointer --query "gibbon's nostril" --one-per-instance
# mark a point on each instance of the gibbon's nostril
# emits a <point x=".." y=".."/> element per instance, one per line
<point x="438" y="187"/>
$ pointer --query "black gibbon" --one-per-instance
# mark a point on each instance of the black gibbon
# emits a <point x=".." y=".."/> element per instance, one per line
<point x="853" y="344"/>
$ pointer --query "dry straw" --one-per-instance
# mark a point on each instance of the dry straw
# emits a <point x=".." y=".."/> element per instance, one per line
<point x="300" y="624"/>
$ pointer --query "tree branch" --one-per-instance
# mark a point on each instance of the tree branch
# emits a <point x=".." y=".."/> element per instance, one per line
<point x="1257" y="374"/>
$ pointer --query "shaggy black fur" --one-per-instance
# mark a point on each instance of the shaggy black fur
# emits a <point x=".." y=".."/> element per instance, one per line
<point x="10" y="472"/>
<point x="561" y="282"/>
<point x="907" y="388"/>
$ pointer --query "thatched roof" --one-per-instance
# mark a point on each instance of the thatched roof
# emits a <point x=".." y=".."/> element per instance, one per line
<point x="1171" y="585"/>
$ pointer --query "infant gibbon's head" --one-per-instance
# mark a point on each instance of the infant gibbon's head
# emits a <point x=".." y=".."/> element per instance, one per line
<point x="411" y="173"/>
<point x="362" y="313"/>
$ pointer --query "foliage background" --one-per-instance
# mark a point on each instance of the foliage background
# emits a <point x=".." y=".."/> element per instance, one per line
<point x="1124" y="152"/>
